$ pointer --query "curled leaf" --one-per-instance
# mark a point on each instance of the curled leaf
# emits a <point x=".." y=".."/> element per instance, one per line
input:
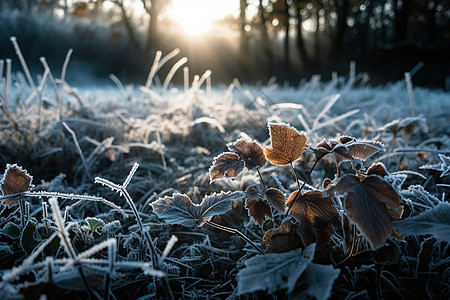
<point x="288" y="144"/>
<point x="225" y="165"/>
<point x="179" y="208"/>
<point x="367" y="203"/>
<point x="250" y="152"/>
<point x="15" y="180"/>
<point x="276" y="198"/>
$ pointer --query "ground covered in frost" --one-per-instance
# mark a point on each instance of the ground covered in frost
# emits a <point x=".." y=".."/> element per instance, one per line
<point x="174" y="135"/>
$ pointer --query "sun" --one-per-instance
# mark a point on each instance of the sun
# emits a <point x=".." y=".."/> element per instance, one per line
<point x="199" y="16"/>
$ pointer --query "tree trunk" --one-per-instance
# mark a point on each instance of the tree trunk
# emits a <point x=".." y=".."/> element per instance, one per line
<point x="300" y="41"/>
<point x="244" y="50"/>
<point x="287" y="61"/>
<point x="265" y="39"/>
<point x="342" y="9"/>
<point x="401" y="20"/>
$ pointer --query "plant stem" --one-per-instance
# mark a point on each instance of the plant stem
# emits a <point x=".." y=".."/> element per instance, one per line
<point x="298" y="184"/>
<point x="262" y="181"/>
<point x="22" y="212"/>
<point x="236" y="232"/>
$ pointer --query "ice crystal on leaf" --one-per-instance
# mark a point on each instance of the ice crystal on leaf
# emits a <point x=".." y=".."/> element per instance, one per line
<point x="15" y="181"/>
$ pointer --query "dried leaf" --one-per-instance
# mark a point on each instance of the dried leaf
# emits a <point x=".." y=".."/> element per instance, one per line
<point x="347" y="148"/>
<point x="259" y="210"/>
<point x="288" y="144"/>
<point x="276" y="198"/>
<point x="364" y="150"/>
<point x="274" y="271"/>
<point x="282" y="239"/>
<point x="322" y="149"/>
<point x="435" y="221"/>
<point x="312" y="208"/>
<point x="378" y="169"/>
<point x="15" y="180"/>
<point x="250" y="152"/>
<point x="367" y="203"/>
<point x="225" y="165"/>
<point x="179" y="208"/>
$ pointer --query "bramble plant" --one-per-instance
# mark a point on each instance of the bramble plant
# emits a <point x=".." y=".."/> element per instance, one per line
<point x="359" y="204"/>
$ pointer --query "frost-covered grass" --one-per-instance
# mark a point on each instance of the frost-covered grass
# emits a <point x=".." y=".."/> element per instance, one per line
<point x="70" y="235"/>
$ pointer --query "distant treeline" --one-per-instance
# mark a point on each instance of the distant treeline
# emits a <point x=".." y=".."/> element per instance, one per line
<point x="288" y="39"/>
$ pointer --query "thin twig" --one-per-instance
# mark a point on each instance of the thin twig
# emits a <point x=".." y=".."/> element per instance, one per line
<point x="65" y="240"/>
<point x="298" y="184"/>
<point x="55" y="89"/>
<point x="236" y="232"/>
<point x="78" y="148"/>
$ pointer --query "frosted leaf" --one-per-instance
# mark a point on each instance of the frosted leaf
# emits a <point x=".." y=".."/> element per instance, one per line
<point x="288" y="144"/>
<point x="319" y="280"/>
<point x="179" y="208"/>
<point x="250" y="152"/>
<point x="225" y="165"/>
<point x="274" y="271"/>
<point x="367" y="203"/>
<point x="15" y="180"/>
<point x="378" y="169"/>
<point x="347" y="148"/>
<point x="435" y="221"/>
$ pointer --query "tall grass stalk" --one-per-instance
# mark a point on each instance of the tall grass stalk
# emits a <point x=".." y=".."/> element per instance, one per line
<point x="410" y="93"/>
<point x="186" y="78"/>
<point x="172" y="71"/>
<point x="78" y="148"/>
<point x="55" y="88"/>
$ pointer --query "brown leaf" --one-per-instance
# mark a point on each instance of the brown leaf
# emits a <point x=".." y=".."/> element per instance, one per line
<point x="364" y="150"/>
<point x="250" y="152"/>
<point x="283" y="239"/>
<point x="377" y="169"/>
<point x="276" y="198"/>
<point x="323" y="148"/>
<point x="288" y="144"/>
<point x="225" y="165"/>
<point x="312" y="208"/>
<point x="259" y="210"/>
<point x="366" y="204"/>
<point x="15" y="180"/>
<point x="346" y="139"/>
